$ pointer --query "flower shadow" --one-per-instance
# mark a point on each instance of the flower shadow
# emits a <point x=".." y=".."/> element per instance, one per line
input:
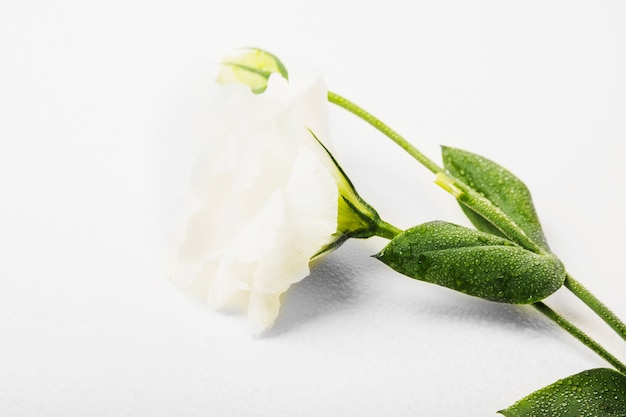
<point x="465" y="309"/>
<point x="345" y="279"/>
<point x="334" y="284"/>
<point x="434" y="304"/>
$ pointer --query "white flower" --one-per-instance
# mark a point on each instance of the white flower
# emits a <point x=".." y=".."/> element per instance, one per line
<point x="266" y="197"/>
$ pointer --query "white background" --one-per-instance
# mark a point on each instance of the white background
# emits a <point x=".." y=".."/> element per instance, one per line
<point x="93" y="105"/>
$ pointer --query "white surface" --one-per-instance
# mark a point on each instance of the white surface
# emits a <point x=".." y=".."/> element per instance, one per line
<point x="93" y="100"/>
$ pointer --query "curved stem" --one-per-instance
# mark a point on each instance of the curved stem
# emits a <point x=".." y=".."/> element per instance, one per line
<point x="580" y="335"/>
<point x="382" y="127"/>
<point x="596" y="305"/>
<point x="466" y="195"/>
<point x="483" y="206"/>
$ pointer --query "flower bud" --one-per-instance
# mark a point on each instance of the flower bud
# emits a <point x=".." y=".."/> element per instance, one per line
<point x="252" y="68"/>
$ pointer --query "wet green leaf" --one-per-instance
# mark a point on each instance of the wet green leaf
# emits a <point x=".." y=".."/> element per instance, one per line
<point x="498" y="185"/>
<point x="596" y="392"/>
<point x="473" y="262"/>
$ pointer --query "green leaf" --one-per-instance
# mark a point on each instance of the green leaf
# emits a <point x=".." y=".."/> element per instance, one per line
<point x="596" y="392"/>
<point x="498" y="185"/>
<point x="473" y="262"/>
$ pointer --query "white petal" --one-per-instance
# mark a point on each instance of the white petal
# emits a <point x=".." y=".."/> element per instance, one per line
<point x="262" y="311"/>
<point x="227" y="290"/>
<point x="258" y="237"/>
<point x="311" y="219"/>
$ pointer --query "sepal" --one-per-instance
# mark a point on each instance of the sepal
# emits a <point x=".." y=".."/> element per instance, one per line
<point x="356" y="218"/>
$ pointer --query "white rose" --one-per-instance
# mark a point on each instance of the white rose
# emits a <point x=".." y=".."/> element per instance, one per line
<point x="266" y="197"/>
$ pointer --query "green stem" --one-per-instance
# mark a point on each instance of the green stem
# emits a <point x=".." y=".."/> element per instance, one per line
<point x="382" y="127"/>
<point x="596" y="305"/>
<point x="467" y="195"/>
<point x="387" y="230"/>
<point x="581" y="336"/>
